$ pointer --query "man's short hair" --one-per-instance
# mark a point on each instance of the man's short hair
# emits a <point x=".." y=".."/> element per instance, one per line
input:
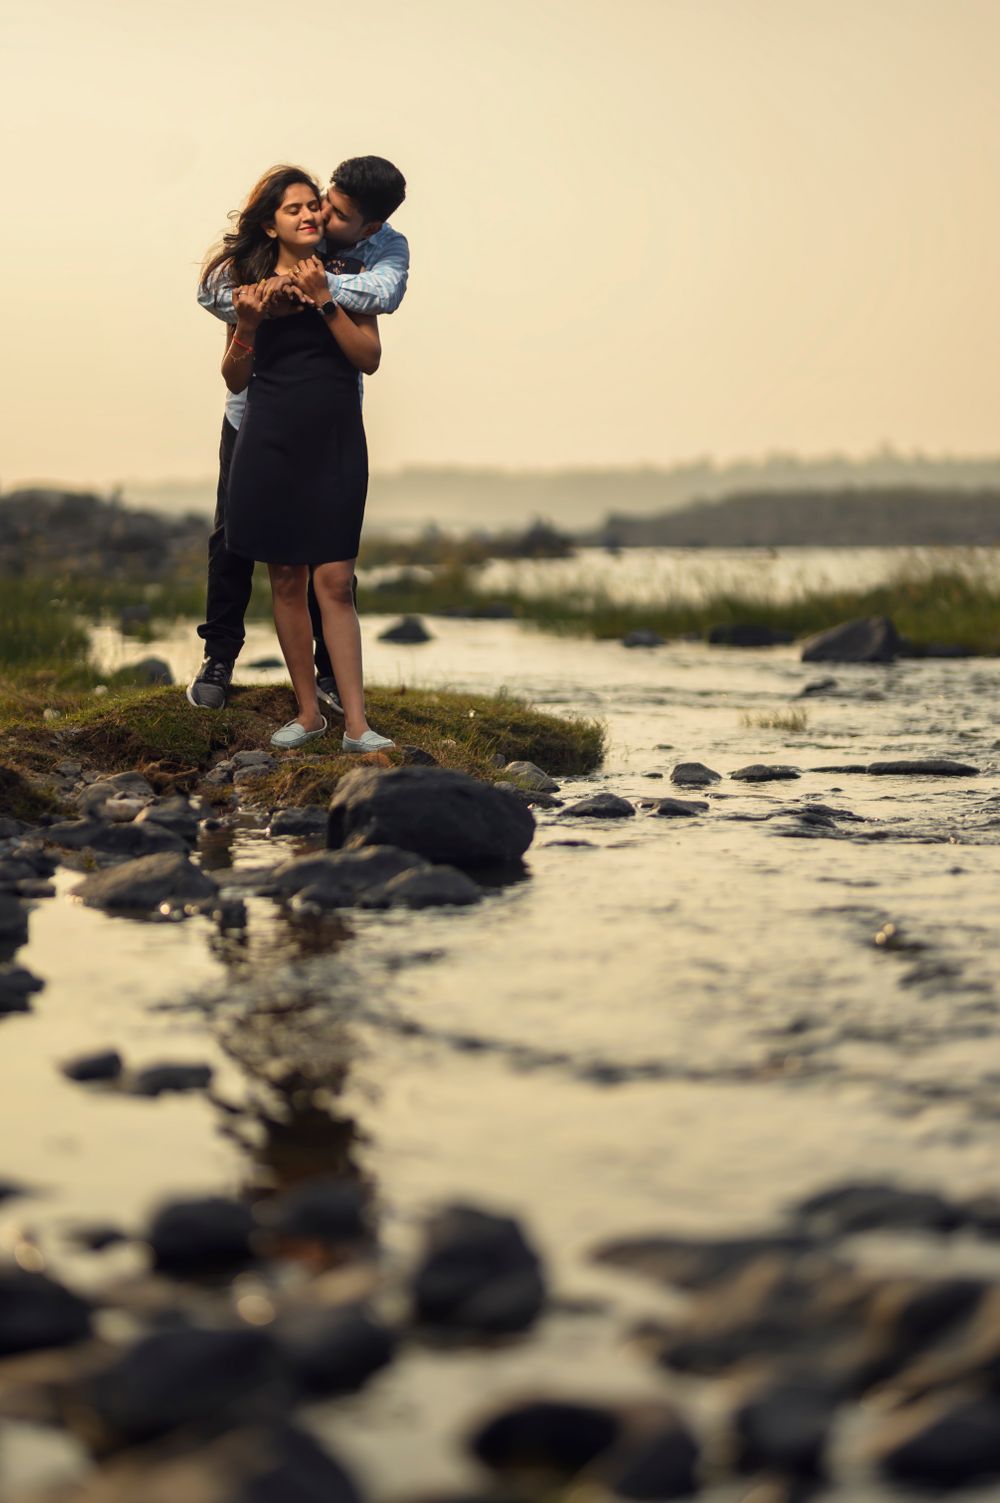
<point x="375" y="185"/>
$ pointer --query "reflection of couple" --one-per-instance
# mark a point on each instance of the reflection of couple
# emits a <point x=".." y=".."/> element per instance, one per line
<point x="299" y="283"/>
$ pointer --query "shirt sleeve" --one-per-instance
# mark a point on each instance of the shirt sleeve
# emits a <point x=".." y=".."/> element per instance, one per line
<point x="217" y="297"/>
<point x="380" y="287"/>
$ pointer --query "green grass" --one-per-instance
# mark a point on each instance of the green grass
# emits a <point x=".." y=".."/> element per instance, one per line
<point x="174" y="745"/>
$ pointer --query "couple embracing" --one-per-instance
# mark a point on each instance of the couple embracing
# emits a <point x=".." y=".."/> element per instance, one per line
<point x="299" y="283"/>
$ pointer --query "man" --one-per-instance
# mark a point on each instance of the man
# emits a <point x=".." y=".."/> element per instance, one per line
<point x="363" y="193"/>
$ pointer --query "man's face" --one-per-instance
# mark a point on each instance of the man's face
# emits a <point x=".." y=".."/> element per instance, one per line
<point x="345" y="224"/>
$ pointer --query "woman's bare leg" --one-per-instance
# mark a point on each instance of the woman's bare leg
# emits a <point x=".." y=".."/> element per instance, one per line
<point x="289" y="583"/>
<point x="342" y="634"/>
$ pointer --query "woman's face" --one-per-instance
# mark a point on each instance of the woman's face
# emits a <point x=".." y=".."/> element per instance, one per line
<point x="298" y="222"/>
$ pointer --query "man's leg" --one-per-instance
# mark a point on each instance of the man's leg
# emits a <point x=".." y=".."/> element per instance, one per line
<point x="230" y="582"/>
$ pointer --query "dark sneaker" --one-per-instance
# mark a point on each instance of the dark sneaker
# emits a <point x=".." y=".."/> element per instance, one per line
<point x="326" y="693"/>
<point x="207" y="690"/>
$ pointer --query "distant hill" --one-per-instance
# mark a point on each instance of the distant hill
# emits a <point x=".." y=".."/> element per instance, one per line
<point x="856" y="517"/>
<point x="466" y="500"/>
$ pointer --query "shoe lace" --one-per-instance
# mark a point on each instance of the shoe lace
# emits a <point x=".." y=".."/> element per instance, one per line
<point x="215" y="671"/>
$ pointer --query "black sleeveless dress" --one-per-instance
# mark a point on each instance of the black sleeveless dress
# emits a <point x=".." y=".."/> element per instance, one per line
<point x="299" y="474"/>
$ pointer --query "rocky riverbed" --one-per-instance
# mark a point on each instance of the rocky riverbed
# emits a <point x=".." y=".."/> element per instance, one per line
<point x="657" y="1160"/>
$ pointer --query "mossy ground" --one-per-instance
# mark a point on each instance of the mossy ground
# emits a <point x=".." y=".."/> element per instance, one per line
<point x="157" y="732"/>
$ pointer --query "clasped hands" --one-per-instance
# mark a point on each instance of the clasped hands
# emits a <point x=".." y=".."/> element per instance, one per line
<point x="304" y="286"/>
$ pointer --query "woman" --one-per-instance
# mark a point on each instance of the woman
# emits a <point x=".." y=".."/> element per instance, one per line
<point x="299" y="472"/>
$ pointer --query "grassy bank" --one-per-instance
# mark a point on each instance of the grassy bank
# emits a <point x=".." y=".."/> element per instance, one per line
<point x="40" y="620"/>
<point x="157" y="732"/>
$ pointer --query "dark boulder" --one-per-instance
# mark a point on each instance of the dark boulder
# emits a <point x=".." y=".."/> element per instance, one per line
<point x="106" y="1065"/>
<point x="816" y="686"/>
<point x="408" y="629"/>
<point x="440" y="814"/>
<point x="479" y="1274"/>
<point x="845" y="1210"/>
<point x="142" y="886"/>
<point x="748" y="634"/>
<point x="425" y="887"/>
<point x="654" y="1467"/>
<point x="642" y="637"/>
<point x="150" y="671"/>
<point x="694" y="775"/>
<point x="123" y="840"/>
<point x="784" y="1426"/>
<point x="334" y="1351"/>
<point x="870" y="639"/>
<point x="329" y="1210"/>
<point x="180" y="1379"/>
<point x="338" y="879"/>
<point x="925" y="767"/>
<point x="117" y="785"/>
<point x="415" y="756"/>
<point x="560" y="1437"/>
<point x="160" y="1080"/>
<point x="760" y="772"/>
<point x="599" y="806"/>
<point x="679" y="808"/>
<point x="310" y="820"/>
<point x="14" y="922"/>
<point x="36" y="1312"/>
<point x="192" y="1237"/>
<point x="16" y="987"/>
<point x="177" y="814"/>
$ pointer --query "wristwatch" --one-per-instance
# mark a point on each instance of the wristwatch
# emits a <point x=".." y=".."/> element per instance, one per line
<point x="328" y="309"/>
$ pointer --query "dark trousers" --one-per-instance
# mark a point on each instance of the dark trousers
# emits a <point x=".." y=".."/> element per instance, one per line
<point x="230" y="582"/>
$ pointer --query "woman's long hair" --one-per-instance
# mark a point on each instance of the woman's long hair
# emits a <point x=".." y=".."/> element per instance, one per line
<point x="246" y="254"/>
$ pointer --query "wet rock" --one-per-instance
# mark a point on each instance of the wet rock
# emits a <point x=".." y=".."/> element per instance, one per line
<point x="150" y="671"/>
<point x="69" y="767"/>
<point x="329" y="1210"/>
<point x="105" y="1065"/>
<point x="124" y="841"/>
<point x="143" y="885"/>
<point x="642" y="637"/>
<point x="654" y="1467"/>
<point x="16" y="987"/>
<point x="121" y="811"/>
<point x="529" y="797"/>
<point x="748" y="634"/>
<point x="177" y="814"/>
<point x="13" y="922"/>
<point x="334" y="1351"/>
<point x="442" y="815"/>
<point x="870" y="639"/>
<point x="408" y="629"/>
<point x="192" y="1237"/>
<point x="679" y="808"/>
<point x="186" y="1378"/>
<point x="928" y="767"/>
<point x="159" y="1080"/>
<point x="547" y="1435"/>
<point x="945" y="1443"/>
<point x="430" y="887"/>
<point x="478" y="1274"/>
<point x="98" y="1237"/>
<point x="785" y="1425"/>
<point x="267" y="663"/>
<point x="22" y="873"/>
<point x="230" y="914"/>
<point x="698" y="1263"/>
<point x="310" y="820"/>
<point x="338" y="879"/>
<point x="221" y="775"/>
<point x="9" y="828"/>
<point x="528" y="775"/>
<point x="694" y="775"/>
<point x="847" y="1209"/>
<point x="243" y="759"/>
<point x="36" y="1312"/>
<point x="118" y="785"/>
<point x="243" y="777"/>
<point x="817" y="686"/>
<point x="599" y="806"/>
<point x="761" y="772"/>
<point x="415" y="756"/>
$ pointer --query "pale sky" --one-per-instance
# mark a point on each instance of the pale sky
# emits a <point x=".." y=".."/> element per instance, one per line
<point x="641" y="231"/>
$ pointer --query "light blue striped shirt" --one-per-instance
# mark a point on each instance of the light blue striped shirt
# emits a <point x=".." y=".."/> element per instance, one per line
<point x="377" y="289"/>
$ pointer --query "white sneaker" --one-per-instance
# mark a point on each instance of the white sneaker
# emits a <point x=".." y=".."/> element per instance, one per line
<point x="370" y="741"/>
<point x="295" y="734"/>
